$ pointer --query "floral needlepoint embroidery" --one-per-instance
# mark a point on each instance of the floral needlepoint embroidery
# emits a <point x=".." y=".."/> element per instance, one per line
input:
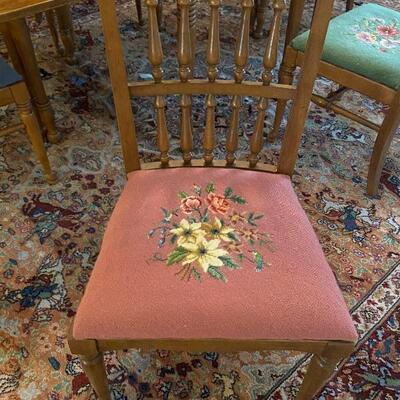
<point x="379" y="33"/>
<point x="209" y="233"/>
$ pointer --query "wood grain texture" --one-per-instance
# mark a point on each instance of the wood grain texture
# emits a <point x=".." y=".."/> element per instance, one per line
<point x="269" y="62"/>
<point x="15" y="9"/>
<point x="155" y="54"/>
<point x="241" y="57"/>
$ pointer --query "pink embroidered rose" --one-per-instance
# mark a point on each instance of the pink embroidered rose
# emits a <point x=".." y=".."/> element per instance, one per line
<point x="365" y="37"/>
<point x="218" y="204"/>
<point x="387" y="30"/>
<point x="190" y="204"/>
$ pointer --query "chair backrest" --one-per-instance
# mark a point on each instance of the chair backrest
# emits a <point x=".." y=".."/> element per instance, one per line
<point x="236" y="88"/>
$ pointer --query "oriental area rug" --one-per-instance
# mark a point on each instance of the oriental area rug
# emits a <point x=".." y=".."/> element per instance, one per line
<point x="50" y="235"/>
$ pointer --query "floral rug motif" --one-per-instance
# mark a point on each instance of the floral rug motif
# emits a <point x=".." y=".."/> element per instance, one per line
<point x="50" y="235"/>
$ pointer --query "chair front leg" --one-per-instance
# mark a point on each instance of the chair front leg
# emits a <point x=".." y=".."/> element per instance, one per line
<point x="321" y="369"/>
<point x="285" y="77"/>
<point x="382" y="144"/>
<point x="93" y="365"/>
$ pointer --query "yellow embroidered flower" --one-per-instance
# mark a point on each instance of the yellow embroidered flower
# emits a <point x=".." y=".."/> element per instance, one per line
<point x="217" y="231"/>
<point x="205" y="252"/>
<point x="188" y="232"/>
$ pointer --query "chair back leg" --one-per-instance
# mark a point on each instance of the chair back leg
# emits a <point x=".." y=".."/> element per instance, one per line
<point x="286" y="73"/>
<point x="382" y="144"/>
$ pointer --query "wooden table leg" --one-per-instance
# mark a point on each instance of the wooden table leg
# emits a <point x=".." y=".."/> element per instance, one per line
<point x="19" y="33"/>
<point x="66" y="32"/>
<point x="260" y="15"/>
<point x="51" y="22"/>
<point x="22" y="100"/>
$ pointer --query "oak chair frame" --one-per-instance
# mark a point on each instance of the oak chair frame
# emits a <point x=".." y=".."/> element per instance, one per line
<point x="18" y="93"/>
<point x="327" y="353"/>
<point x="347" y="80"/>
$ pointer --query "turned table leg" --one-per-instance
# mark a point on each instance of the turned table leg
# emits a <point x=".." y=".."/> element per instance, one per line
<point x="259" y="18"/>
<point x="23" y="102"/>
<point x="51" y="22"/>
<point x="18" y="31"/>
<point x="66" y="32"/>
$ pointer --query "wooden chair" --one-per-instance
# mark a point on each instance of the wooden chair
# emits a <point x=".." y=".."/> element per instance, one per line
<point x="13" y="90"/>
<point x="358" y="60"/>
<point x="214" y="274"/>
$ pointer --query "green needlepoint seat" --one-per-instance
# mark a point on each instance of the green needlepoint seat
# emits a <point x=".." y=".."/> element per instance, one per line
<point x="365" y="40"/>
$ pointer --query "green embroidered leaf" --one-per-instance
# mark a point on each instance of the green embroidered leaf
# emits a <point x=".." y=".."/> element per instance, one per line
<point x="183" y="195"/>
<point x="210" y="187"/>
<point x="196" y="274"/>
<point x="228" y="192"/>
<point x="177" y="255"/>
<point x="232" y="236"/>
<point x="252" y="217"/>
<point x="228" y="262"/>
<point x="237" y="199"/>
<point x="216" y="273"/>
<point x="259" y="260"/>
<point x="165" y="211"/>
<point x="205" y="216"/>
<point x="172" y="240"/>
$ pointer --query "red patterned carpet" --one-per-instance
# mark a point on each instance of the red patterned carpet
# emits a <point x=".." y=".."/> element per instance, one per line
<point x="50" y="236"/>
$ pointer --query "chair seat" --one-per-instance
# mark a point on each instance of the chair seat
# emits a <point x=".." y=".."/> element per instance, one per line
<point x="8" y="76"/>
<point x="365" y="40"/>
<point x="211" y="253"/>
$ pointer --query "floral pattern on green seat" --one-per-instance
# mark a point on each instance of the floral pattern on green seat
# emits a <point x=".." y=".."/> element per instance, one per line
<point x="366" y="41"/>
<point x="379" y="33"/>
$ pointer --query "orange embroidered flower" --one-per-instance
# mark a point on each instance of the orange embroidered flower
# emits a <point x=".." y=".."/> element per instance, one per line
<point x="237" y="217"/>
<point x="249" y="234"/>
<point x="233" y="247"/>
<point x="190" y="204"/>
<point x="217" y="203"/>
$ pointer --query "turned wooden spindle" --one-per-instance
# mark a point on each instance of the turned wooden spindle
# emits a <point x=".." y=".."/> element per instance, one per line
<point x="193" y="24"/>
<point x="184" y="54"/>
<point x="241" y="57"/>
<point x="213" y="59"/>
<point x="269" y="61"/>
<point x="155" y="55"/>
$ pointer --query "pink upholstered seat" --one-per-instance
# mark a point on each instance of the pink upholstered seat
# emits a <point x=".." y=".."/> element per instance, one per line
<point x="211" y="253"/>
